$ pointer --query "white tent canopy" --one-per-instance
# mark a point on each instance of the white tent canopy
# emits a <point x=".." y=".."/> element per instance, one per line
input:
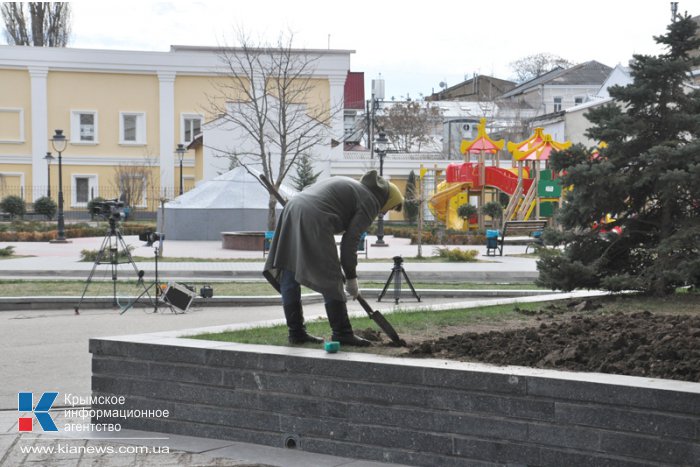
<point x="233" y="201"/>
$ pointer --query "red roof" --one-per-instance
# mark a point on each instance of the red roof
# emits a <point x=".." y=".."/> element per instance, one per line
<point x="355" y="90"/>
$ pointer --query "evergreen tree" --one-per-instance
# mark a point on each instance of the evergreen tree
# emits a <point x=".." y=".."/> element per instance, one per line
<point x="647" y="179"/>
<point x="410" y="205"/>
<point x="305" y="173"/>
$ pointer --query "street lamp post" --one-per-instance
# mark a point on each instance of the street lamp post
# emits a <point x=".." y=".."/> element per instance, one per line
<point x="48" y="158"/>
<point x="59" y="144"/>
<point x="180" y="151"/>
<point x="380" y="145"/>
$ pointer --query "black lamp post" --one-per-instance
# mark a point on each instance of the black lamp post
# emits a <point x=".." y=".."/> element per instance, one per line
<point x="180" y="151"/>
<point x="48" y="158"/>
<point x="59" y="144"/>
<point x="380" y="146"/>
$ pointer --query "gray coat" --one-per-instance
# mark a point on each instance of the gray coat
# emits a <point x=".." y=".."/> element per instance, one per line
<point x="304" y="240"/>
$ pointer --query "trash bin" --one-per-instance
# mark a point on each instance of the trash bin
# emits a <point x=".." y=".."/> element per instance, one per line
<point x="491" y="239"/>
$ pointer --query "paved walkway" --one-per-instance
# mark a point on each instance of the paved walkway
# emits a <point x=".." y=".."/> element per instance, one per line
<point x="63" y="260"/>
<point x="47" y="350"/>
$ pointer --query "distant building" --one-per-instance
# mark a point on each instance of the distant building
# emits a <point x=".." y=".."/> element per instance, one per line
<point x="479" y="88"/>
<point x="571" y="124"/>
<point x="120" y="108"/>
<point x="558" y="89"/>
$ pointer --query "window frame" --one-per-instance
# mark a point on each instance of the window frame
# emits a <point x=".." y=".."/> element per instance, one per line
<point x="92" y="186"/>
<point x="557" y="103"/>
<point x="75" y="136"/>
<point x="140" y="139"/>
<point x="184" y="117"/>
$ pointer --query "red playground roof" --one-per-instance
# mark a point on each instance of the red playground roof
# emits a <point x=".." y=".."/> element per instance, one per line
<point x="482" y="143"/>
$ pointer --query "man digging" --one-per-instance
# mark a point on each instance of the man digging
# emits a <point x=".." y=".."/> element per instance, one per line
<point x="303" y="249"/>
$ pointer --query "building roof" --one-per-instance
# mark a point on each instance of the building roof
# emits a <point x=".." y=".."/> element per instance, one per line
<point x="477" y="88"/>
<point x="590" y="73"/>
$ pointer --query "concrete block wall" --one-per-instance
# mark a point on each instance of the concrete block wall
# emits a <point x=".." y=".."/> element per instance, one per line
<point x="420" y="412"/>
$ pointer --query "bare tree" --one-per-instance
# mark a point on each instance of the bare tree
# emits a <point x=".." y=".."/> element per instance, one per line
<point x="42" y="24"/>
<point x="409" y="125"/>
<point x="271" y="100"/>
<point x="535" y="65"/>
<point x="133" y="180"/>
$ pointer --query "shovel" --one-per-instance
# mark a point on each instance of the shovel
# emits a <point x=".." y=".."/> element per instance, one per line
<point x="381" y="321"/>
<point x="374" y="315"/>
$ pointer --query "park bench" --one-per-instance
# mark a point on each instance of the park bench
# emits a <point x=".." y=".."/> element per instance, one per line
<point x="532" y="229"/>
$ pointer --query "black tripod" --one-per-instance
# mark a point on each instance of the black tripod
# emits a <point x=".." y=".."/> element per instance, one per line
<point x="396" y="272"/>
<point x="158" y="301"/>
<point x="109" y="254"/>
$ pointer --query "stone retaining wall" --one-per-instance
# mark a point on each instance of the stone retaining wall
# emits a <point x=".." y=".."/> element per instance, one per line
<point x="422" y="412"/>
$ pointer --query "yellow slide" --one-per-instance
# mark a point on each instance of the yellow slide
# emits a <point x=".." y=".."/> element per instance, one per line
<point x="446" y="200"/>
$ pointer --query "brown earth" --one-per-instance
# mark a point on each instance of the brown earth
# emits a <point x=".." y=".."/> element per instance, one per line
<point x="587" y="339"/>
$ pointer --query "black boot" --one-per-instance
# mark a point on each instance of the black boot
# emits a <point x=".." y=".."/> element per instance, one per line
<point x="337" y="313"/>
<point x="295" y="322"/>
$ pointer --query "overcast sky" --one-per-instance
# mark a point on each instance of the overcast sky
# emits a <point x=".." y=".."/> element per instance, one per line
<point x="414" y="45"/>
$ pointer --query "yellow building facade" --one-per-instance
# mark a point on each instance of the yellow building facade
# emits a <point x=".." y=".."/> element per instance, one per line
<point x="123" y="113"/>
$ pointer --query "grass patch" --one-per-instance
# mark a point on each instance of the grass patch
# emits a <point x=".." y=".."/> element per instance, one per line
<point x="404" y="322"/>
<point x="103" y="286"/>
<point x="419" y="325"/>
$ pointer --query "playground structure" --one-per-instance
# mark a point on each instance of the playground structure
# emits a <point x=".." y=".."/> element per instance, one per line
<point x="534" y="191"/>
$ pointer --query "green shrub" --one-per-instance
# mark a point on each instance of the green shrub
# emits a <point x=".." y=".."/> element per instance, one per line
<point x="456" y="254"/>
<point x="13" y="205"/>
<point x="91" y="205"/>
<point x="7" y="251"/>
<point x="45" y="206"/>
<point x="466" y="210"/>
<point x="494" y="210"/>
<point x="91" y="255"/>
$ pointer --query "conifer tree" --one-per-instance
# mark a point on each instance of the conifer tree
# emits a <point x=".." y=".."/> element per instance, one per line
<point x="647" y="179"/>
<point x="410" y="205"/>
<point x="305" y="173"/>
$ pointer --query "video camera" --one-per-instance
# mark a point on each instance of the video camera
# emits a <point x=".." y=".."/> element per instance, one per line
<point x="109" y="209"/>
<point x="151" y="237"/>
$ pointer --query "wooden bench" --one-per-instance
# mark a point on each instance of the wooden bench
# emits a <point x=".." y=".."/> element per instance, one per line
<point x="530" y="228"/>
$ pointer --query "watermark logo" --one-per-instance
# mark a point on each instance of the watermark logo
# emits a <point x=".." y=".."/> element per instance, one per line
<point x="40" y="411"/>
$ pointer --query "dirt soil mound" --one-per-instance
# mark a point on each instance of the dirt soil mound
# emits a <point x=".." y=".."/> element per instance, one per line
<point x="636" y="344"/>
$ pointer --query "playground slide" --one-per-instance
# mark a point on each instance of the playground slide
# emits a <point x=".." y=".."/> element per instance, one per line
<point x="504" y="180"/>
<point x="443" y="209"/>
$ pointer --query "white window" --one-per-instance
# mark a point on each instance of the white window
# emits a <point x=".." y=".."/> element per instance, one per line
<point x="557" y="104"/>
<point x="83" y="127"/>
<point x="84" y="188"/>
<point x="190" y="127"/>
<point x="132" y="128"/>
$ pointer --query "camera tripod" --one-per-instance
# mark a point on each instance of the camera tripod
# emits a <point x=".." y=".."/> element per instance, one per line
<point x="396" y="272"/>
<point x="159" y="300"/>
<point x="109" y="254"/>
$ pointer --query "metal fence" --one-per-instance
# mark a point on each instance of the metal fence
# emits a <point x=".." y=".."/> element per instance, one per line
<point x="140" y="206"/>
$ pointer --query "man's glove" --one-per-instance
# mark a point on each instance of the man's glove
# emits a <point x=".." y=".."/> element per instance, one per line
<point x="352" y="288"/>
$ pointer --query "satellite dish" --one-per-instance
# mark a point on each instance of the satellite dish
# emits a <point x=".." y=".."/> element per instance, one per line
<point x="442" y="84"/>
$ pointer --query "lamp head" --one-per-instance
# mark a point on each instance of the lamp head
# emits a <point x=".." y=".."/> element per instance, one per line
<point x="180" y="151"/>
<point x="381" y="142"/>
<point x="49" y="158"/>
<point x="59" y="141"/>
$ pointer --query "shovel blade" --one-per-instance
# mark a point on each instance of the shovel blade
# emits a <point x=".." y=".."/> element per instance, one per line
<point x="381" y="321"/>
